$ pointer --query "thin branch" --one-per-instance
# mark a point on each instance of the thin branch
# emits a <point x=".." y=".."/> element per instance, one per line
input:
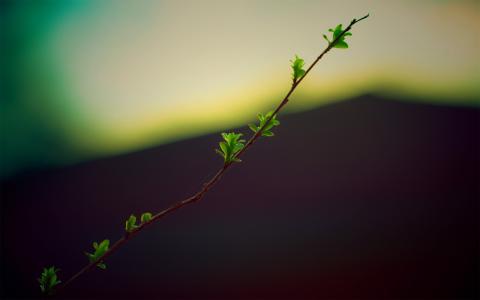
<point x="209" y="184"/>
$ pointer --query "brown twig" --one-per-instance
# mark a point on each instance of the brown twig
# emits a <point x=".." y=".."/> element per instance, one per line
<point x="209" y="184"/>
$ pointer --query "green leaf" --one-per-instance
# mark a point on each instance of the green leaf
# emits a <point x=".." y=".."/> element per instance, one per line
<point x="100" y="250"/>
<point x="237" y="147"/>
<point x="263" y="123"/>
<point x="104" y="245"/>
<point x="48" y="280"/>
<point x="337" y="37"/>
<point x="267" y="133"/>
<point x="224" y="147"/>
<point x="231" y="145"/>
<point x="130" y="223"/>
<point x="102" y="265"/>
<point x="146" y="217"/>
<point x="89" y="255"/>
<point x="326" y="38"/>
<point x="341" y="44"/>
<point x="220" y="153"/>
<point x="253" y="127"/>
<point x="337" y="30"/>
<point x="297" y="68"/>
<point x="268" y="126"/>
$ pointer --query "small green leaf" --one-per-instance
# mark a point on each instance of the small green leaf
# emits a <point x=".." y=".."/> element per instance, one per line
<point x="220" y="153"/>
<point x="225" y="136"/>
<point x="267" y="133"/>
<point x="100" y="250"/>
<point x="337" y="30"/>
<point x="91" y="257"/>
<point x="237" y="147"/>
<point x="326" y="38"/>
<point x="146" y="217"/>
<point x="104" y="245"/>
<point x="297" y="68"/>
<point x="231" y="145"/>
<point x="130" y="223"/>
<point x="224" y="147"/>
<point x="102" y="265"/>
<point x="266" y="127"/>
<point x="337" y="37"/>
<point x="48" y="280"/>
<point x="341" y="44"/>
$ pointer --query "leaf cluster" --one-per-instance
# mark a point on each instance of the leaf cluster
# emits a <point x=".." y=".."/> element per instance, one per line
<point x="130" y="224"/>
<point x="297" y="68"/>
<point x="263" y="120"/>
<point x="231" y="145"/>
<point x="48" y="280"/>
<point x="100" y="250"/>
<point x="337" y="33"/>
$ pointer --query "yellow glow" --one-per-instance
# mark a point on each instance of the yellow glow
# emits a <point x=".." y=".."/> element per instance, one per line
<point x="151" y="72"/>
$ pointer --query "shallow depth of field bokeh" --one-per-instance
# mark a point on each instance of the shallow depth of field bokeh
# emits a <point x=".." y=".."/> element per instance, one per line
<point x="84" y="79"/>
<point x="114" y="107"/>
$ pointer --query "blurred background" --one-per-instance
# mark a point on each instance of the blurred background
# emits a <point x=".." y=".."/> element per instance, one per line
<point x="370" y="188"/>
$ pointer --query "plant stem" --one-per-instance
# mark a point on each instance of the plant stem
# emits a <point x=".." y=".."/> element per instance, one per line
<point x="209" y="184"/>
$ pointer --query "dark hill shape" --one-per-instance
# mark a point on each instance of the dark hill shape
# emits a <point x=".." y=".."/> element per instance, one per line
<point x="367" y="198"/>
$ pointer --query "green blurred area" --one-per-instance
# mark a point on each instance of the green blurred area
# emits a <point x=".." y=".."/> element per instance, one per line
<point x="32" y="121"/>
<point x="83" y="79"/>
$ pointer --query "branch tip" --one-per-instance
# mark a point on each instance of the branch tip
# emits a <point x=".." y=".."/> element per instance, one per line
<point x="362" y="18"/>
